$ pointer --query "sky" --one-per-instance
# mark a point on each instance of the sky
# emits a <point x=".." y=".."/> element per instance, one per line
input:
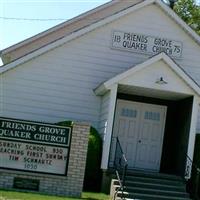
<point x="13" y="31"/>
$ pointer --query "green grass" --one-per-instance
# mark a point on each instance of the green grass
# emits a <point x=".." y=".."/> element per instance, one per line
<point x="94" y="196"/>
<point x="11" y="195"/>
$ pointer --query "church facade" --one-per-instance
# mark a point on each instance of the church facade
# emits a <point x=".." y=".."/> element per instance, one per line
<point x="129" y="68"/>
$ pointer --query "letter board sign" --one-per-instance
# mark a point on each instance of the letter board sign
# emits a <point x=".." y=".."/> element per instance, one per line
<point x="34" y="147"/>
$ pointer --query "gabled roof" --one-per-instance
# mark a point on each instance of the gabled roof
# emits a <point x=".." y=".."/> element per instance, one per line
<point x="104" y="87"/>
<point x="66" y="28"/>
<point x="92" y="26"/>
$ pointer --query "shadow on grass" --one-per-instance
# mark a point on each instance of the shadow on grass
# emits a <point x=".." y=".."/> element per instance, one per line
<point x="94" y="196"/>
<point x="90" y="198"/>
<point x="24" y="195"/>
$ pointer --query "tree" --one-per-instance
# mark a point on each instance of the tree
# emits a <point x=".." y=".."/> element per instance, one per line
<point x="189" y="11"/>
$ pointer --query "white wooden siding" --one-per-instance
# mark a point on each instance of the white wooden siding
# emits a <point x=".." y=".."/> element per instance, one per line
<point x="58" y="85"/>
<point x="104" y="114"/>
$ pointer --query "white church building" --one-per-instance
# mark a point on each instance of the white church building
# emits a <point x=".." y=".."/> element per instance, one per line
<point x="129" y="68"/>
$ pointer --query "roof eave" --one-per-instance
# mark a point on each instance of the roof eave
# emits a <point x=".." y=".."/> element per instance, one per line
<point x="170" y="12"/>
<point x="104" y="87"/>
<point x="100" y="90"/>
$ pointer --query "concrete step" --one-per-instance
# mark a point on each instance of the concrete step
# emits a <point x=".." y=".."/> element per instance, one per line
<point x="140" y="196"/>
<point x="130" y="179"/>
<point x="154" y="186"/>
<point x="175" y="188"/>
<point x="156" y="192"/>
<point x="153" y="175"/>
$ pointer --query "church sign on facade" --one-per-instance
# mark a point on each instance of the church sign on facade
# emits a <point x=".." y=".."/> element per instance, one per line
<point x="141" y="43"/>
<point x="31" y="146"/>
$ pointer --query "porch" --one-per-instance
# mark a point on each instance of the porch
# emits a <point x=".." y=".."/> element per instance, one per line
<point x="152" y="108"/>
<point x="157" y="140"/>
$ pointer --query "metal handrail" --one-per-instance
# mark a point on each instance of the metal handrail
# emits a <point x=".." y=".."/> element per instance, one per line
<point x="120" y="164"/>
<point x="193" y="171"/>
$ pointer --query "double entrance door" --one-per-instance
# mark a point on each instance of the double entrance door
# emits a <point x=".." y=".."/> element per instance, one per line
<point x="140" y="129"/>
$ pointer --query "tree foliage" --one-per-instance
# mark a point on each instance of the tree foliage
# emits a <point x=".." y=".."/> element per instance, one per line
<point x="189" y="11"/>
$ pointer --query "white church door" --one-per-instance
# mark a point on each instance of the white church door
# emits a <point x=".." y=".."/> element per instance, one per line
<point x="140" y="129"/>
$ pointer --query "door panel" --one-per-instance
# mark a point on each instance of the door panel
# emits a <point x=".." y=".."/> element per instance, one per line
<point x="151" y="135"/>
<point x="126" y="128"/>
<point x="122" y="127"/>
<point x="155" y="132"/>
<point x="132" y="128"/>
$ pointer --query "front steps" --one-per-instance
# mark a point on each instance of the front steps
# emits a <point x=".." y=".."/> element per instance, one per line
<point x="154" y="186"/>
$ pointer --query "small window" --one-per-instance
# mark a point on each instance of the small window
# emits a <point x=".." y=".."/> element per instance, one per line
<point x="152" y="116"/>
<point x="126" y="112"/>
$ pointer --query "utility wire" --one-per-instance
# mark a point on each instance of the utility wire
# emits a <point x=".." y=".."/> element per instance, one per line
<point x="31" y="19"/>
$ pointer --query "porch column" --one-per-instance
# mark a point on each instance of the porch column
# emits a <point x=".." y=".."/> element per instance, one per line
<point x="192" y="135"/>
<point x="109" y="127"/>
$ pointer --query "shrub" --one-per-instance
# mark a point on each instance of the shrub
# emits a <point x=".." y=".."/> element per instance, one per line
<point x="92" y="181"/>
<point x="65" y="123"/>
<point x="93" y="174"/>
